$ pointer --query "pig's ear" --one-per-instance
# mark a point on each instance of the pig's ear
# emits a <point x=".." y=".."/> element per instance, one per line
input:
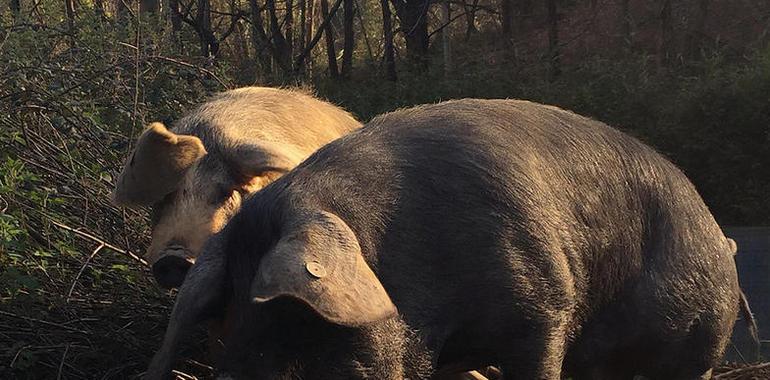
<point x="156" y="166"/>
<point x="257" y="164"/>
<point x="321" y="264"/>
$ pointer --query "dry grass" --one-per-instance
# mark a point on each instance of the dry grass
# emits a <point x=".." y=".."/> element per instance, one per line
<point x="84" y="306"/>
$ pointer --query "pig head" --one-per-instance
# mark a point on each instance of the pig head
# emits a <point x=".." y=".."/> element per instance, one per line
<point x="192" y="193"/>
<point x="313" y="289"/>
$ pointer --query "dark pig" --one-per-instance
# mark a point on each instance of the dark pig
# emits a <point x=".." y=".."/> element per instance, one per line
<point x="465" y="234"/>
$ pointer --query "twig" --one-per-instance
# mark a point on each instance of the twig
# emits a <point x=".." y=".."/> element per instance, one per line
<point x="136" y="79"/>
<point x="98" y="74"/>
<point x="35" y="27"/>
<point x="234" y="18"/>
<point x="182" y="63"/>
<point x="96" y="239"/>
<point x="80" y="320"/>
<point x="440" y="28"/>
<point x="128" y="8"/>
<point x="19" y="353"/>
<point x="199" y="364"/>
<point x="363" y="29"/>
<point x="77" y="277"/>
<point x="5" y="38"/>
<point x="67" y="151"/>
<point x="738" y="351"/>
<point x="738" y="371"/>
<point x="42" y="322"/>
<point x="317" y="37"/>
<point x="43" y="167"/>
<point x="185" y="64"/>
<point x="61" y="363"/>
<point x="183" y="375"/>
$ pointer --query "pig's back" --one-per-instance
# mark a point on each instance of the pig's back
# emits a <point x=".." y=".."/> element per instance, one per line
<point x="293" y="118"/>
<point x="494" y="194"/>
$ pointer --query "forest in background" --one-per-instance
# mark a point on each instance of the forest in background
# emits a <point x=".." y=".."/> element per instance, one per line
<point x="80" y="79"/>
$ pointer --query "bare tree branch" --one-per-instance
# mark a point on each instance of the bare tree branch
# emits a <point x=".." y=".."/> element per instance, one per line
<point x="301" y="58"/>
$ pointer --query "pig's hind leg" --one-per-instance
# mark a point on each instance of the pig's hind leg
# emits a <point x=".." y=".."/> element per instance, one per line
<point x="686" y="333"/>
<point x="691" y="358"/>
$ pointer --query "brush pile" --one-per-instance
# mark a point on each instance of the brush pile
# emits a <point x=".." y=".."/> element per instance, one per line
<point x="736" y="371"/>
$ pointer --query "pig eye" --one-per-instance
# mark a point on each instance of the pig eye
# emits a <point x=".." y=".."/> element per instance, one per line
<point x="154" y="216"/>
<point x="156" y="210"/>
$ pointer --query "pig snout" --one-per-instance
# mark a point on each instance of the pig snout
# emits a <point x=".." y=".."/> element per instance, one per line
<point x="171" y="268"/>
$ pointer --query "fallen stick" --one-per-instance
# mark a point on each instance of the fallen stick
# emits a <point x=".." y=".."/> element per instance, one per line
<point x="44" y="322"/>
<point x="740" y="371"/>
<point x="96" y="239"/>
<point x="77" y="277"/>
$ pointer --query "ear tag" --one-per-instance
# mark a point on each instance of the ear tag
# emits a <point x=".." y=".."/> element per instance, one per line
<point x="315" y="269"/>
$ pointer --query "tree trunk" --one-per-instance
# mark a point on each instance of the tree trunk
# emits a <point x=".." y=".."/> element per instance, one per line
<point x="446" y="46"/>
<point x="15" y="6"/>
<point x="120" y="10"/>
<point x="301" y="70"/>
<point x="413" y="15"/>
<point x="698" y="35"/>
<point x="99" y="8"/>
<point x="311" y="14"/>
<point x="174" y="16"/>
<point x="299" y="62"/>
<point x="506" y="18"/>
<point x="302" y="25"/>
<point x="329" y="33"/>
<point x="524" y="8"/>
<point x="149" y="6"/>
<point x="240" y="42"/>
<point x="262" y="47"/>
<point x="388" y="52"/>
<point x="625" y="23"/>
<point x="470" y="18"/>
<point x="289" y="21"/>
<point x="202" y="23"/>
<point x="283" y="52"/>
<point x="310" y="20"/>
<point x="69" y="11"/>
<point x="513" y="14"/>
<point x="666" y="34"/>
<point x="362" y="24"/>
<point x="553" y="39"/>
<point x="349" y="42"/>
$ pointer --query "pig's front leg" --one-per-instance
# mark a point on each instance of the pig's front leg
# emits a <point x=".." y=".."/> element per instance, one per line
<point x="202" y="289"/>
